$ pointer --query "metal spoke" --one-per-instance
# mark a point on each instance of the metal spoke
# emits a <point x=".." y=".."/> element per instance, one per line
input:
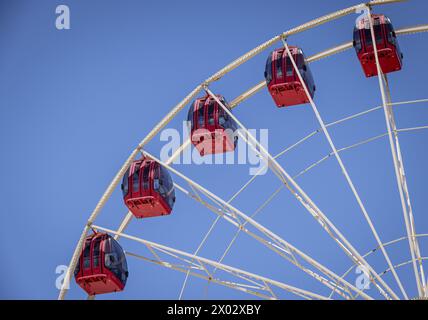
<point x="398" y="164"/>
<point x="386" y="244"/>
<point x="343" y="168"/>
<point x="313" y="133"/>
<point x="226" y="268"/>
<point x="307" y="202"/>
<point x="286" y="247"/>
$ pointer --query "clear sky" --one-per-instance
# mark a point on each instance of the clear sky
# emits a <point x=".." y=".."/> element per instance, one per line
<point x="74" y="103"/>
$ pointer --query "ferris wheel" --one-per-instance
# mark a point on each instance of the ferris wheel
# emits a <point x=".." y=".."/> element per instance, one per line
<point x="151" y="186"/>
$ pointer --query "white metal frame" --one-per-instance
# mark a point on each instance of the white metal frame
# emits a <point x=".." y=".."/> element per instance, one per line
<point x="344" y="170"/>
<point x="202" y="262"/>
<point x="232" y="214"/>
<point x="274" y="242"/>
<point x="399" y="169"/>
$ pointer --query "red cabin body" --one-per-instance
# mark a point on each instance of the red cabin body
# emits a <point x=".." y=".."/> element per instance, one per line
<point x="148" y="190"/>
<point x="390" y="56"/>
<point x="102" y="265"/>
<point x="212" y="129"/>
<point x="283" y="82"/>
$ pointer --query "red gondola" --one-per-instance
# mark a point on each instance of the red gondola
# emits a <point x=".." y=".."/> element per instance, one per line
<point x="212" y="130"/>
<point x="148" y="190"/>
<point x="102" y="266"/>
<point x="390" y="56"/>
<point x="282" y="81"/>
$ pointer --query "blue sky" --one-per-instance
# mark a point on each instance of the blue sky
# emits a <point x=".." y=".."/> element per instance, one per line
<point x="74" y="103"/>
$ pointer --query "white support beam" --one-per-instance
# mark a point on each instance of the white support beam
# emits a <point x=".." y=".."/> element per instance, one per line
<point x="398" y="165"/>
<point x="386" y="244"/>
<point x="343" y="168"/>
<point x="284" y="245"/>
<point x="212" y="263"/>
<point x="307" y="202"/>
<point x="404" y="183"/>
